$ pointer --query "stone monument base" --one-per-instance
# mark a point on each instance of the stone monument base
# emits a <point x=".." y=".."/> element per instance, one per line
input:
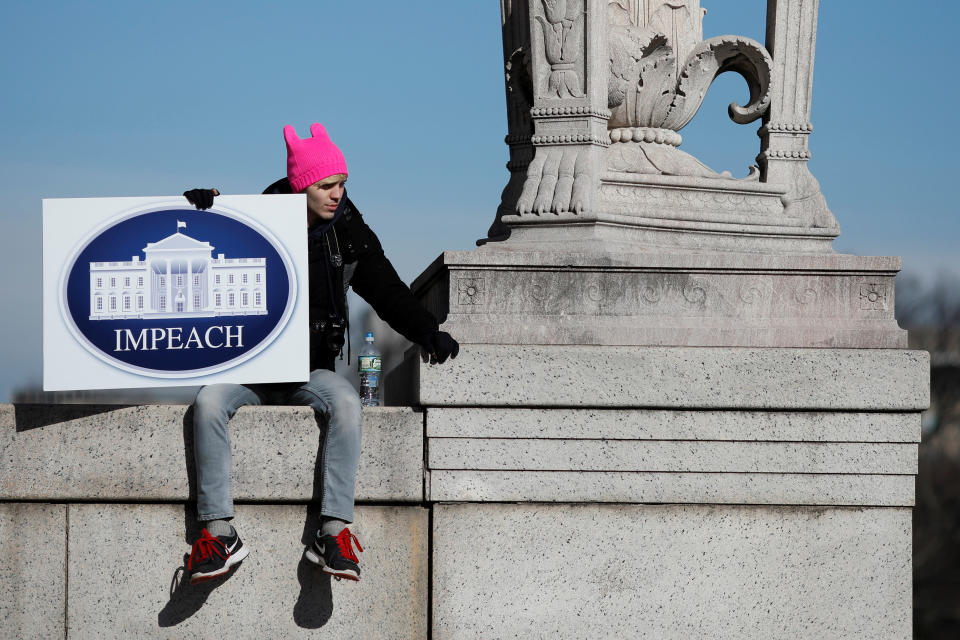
<point x="670" y="492"/>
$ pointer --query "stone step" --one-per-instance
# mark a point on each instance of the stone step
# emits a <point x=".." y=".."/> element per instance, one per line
<point x="641" y="487"/>
<point x="686" y="378"/>
<point x="658" y="424"/>
<point x="521" y="454"/>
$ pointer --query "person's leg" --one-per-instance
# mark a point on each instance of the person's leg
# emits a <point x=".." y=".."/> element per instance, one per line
<point x="213" y="408"/>
<point x="338" y="407"/>
<point x="219" y="547"/>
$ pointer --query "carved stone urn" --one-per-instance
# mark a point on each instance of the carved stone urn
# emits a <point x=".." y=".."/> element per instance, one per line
<point x="609" y="234"/>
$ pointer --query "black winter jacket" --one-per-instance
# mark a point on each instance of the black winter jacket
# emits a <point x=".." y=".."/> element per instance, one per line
<point x="349" y="254"/>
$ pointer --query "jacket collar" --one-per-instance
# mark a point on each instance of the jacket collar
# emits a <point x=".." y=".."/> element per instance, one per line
<point x="318" y="230"/>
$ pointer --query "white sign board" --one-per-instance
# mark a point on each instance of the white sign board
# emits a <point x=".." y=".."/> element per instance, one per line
<point x="151" y="292"/>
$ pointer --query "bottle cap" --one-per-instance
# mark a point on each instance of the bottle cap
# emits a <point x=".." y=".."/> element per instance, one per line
<point x="369" y="336"/>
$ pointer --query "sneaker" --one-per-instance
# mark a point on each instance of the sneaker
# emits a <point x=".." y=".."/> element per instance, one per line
<point x="335" y="554"/>
<point x="212" y="557"/>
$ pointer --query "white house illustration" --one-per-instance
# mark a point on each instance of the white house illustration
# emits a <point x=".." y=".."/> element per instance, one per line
<point x="179" y="278"/>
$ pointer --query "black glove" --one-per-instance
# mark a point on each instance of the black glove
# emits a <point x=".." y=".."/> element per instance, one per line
<point x="201" y="198"/>
<point x="441" y="346"/>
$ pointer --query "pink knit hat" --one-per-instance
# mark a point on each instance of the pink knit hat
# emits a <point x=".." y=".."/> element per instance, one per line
<point x="311" y="159"/>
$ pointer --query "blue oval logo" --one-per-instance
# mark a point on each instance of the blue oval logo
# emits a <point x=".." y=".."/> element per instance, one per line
<point x="178" y="292"/>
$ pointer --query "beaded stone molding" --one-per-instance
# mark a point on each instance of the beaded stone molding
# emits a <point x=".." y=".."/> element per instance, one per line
<point x="785" y="155"/>
<point x="546" y="112"/>
<point x="569" y="139"/>
<point x="786" y="127"/>
<point x="646" y="134"/>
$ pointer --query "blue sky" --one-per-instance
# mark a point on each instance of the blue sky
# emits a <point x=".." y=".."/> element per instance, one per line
<point x="127" y="98"/>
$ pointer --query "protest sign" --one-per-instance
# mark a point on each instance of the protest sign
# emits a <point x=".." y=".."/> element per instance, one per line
<point x="150" y="292"/>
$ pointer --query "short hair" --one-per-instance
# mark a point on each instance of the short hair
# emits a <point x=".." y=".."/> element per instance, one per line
<point x="331" y="180"/>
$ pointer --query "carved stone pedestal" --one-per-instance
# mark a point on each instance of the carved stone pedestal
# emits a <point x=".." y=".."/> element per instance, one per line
<point x="494" y="296"/>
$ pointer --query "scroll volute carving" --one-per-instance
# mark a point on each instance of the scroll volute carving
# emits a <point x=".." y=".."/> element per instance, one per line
<point x="660" y="69"/>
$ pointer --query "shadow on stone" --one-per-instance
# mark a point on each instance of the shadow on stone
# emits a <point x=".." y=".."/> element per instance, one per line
<point x="185" y="598"/>
<point x="315" y="604"/>
<point x="313" y="518"/>
<point x="34" y="416"/>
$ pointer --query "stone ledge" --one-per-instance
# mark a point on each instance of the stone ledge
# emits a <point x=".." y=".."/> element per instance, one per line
<point x="667" y="377"/>
<point x="502" y="256"/>
<point x="69" y="452"/>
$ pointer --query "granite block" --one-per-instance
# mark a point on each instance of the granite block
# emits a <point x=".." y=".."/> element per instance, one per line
<point x="32" y="570"/>
<point x="126" y="578"/>
<point x="652" y="424"/>
<point x="56" y="452"/>
<point x="685" y="488"/>
<point x="521" y="454"/>
<point x="671" y="572"/>
<point x="668" y="377"/>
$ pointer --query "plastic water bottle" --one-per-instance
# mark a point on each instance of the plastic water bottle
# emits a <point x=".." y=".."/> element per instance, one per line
<point x="368" y="364"/>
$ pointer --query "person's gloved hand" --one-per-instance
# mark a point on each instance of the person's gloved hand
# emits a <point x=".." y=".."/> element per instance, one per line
<point x="201" y="198"/>
<point x="441" y="346"/>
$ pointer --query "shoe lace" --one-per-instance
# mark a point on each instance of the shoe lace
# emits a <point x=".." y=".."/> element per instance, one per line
<point x="205" y="547"/>
<point x="344" y="539"/>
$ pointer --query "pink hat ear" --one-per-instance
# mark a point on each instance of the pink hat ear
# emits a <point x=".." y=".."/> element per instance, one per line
<point x="317" y="131"/>
<point x="290" y="135"/>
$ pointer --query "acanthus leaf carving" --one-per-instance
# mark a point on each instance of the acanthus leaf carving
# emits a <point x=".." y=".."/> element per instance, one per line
<point x="660" y="72"/>
<point x="655" y="95"/>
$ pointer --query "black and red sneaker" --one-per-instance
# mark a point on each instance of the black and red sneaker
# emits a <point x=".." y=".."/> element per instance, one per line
<point x="212" y="557"/>
<point x="335" y="554"/>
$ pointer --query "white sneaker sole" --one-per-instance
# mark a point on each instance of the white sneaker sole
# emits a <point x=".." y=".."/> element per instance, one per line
<point x="232" y="559"/>
<point x="313" y="557"/>
<point x="347" y="574"/>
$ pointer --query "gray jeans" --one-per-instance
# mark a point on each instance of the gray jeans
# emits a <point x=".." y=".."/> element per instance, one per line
<point x="338" y="408"/>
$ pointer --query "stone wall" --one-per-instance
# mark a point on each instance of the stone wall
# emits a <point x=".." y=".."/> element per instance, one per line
<point x="541" y="491"/>
<point x="96" y="520"/>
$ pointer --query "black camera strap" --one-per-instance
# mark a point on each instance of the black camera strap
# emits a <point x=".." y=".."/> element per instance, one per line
<point x="334" y="269"/>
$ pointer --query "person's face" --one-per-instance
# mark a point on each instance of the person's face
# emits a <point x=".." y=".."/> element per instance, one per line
<point x="323" y="200"/>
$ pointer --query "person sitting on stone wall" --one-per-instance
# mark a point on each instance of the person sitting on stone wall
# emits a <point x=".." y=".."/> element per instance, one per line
<point x="342" y="250"/>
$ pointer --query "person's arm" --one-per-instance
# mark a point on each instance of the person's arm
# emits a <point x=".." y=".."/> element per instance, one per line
<point x="376" y="281"/>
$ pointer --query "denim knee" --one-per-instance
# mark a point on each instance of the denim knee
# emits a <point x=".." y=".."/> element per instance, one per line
<point x="210" y="403"/>
<point x="347" y="405"/>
